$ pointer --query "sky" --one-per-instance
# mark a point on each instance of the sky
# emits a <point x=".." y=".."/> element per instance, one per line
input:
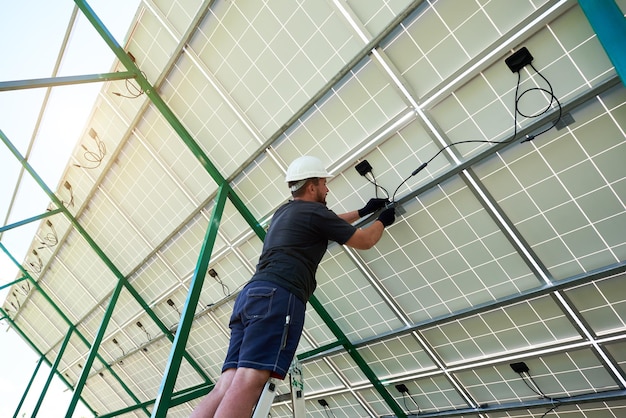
<point x="31" y="34"/>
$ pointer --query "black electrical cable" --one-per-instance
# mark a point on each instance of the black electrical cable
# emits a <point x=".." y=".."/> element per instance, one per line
<point x="518" y="96"/>
<point x="25" y="290"/>
<point x="329" y="412"/>
<point x="537" y="391"/>
<point x="50" y="239"/>
<point x="540" y="393"/>
<point x="225" y="288"/>
<point x="553" y="99"/>
<point x="549" y="410"/>
<point x="94" y="157"/>
<point x="404" y="397"/>
<point x="134" y="91"/>
<point x="36" y="266"/>
<point x="376" y="185"/>
<point x="69" y="189"/>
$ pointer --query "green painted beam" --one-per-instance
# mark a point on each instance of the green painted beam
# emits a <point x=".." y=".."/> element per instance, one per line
<point x="29" y="220"/>
<point x="53" y="370"/>
<point x="64" y="81"/>
<point x="190" y="394"/>
<point x="319" y="350"/>
<point x="164" y="396"/>
<point x="21" y="279"/>
<point x="178" y="398"/>
<point x="28" y="386"/>
<point x="93" y="351"/>
<point x="608" y="22"/>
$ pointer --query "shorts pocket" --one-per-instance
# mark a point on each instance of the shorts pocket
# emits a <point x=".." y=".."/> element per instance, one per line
<point x="259" y="302"/>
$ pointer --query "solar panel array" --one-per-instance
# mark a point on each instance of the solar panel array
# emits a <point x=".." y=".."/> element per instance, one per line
<point x="505" y="252"/>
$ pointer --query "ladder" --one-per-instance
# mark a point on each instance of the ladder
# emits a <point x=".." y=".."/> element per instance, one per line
<point x="266" y="399"/>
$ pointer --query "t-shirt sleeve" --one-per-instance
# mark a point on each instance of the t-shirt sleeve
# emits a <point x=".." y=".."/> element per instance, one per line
<point x="335" y="228"/>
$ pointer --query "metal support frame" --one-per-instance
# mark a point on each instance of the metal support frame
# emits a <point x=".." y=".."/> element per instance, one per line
<point x="608" y="22"/>
<point x="28" y="386"/>
<point x="64" y="81"/>
<point x="134" y="71"/>
<point x="67" y="321"/>
<point x="53" y="370"/>
<point x="122" y="282"/>
<point x="21" y="279"/>
<point x="29" y="220"/>
<point x="184" y="327"/>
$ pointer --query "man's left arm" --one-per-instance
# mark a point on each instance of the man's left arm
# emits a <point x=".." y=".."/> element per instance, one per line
<point x="349" y="216"/>
<point x="370" y="207"/>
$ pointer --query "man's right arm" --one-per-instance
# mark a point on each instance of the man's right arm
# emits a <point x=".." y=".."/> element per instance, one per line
<point x="366" y="238"/>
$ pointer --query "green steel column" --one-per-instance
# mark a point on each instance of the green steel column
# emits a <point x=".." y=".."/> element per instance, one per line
<point x="607" y="20"/>
<point x="164" y="396"/>
<point x="21" y="279"/>
<point x="64" y="81"/>
<point x="95" y="346"/>
<point x="53" y="370"/>
<point x="178" y="398"/>
<point x="29" y="220"/>
<point x="30" y="383"/>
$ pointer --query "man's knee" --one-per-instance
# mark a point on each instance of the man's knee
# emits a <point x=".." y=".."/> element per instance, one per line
<point x="251" y="378"/>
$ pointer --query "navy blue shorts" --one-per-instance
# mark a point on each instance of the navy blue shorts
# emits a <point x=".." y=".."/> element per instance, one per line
<point x="266" y="325"/>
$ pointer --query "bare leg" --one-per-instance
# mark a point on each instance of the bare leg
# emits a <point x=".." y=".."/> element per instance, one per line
<point x="243" y="393"/>
<point x="206" y="408"/>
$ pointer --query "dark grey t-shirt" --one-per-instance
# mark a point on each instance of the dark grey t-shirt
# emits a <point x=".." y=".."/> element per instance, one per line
<point x="295" y="244"/>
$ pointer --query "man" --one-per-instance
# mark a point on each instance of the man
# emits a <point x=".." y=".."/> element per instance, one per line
<point x="268" y="315"/>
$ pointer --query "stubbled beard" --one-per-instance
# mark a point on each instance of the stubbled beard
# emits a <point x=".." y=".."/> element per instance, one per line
<point x="321" y="197"/>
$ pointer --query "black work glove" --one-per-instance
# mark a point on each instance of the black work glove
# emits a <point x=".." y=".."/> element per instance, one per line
<point x="372" y="206"/>
<point x="388" y="216"/>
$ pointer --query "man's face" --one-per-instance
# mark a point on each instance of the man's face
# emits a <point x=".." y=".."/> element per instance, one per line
<point x="321" y="191"/>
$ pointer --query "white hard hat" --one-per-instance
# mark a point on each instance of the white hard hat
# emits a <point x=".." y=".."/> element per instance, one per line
<point x="306" y="167"/>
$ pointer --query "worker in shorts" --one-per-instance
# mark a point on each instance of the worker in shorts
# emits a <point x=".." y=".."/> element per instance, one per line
<point x="268" y="315"/>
